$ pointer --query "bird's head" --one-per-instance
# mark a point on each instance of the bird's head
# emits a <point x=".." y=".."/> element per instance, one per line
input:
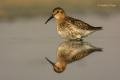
<point x="57" y="13"/>
<point x="58" y="68"/>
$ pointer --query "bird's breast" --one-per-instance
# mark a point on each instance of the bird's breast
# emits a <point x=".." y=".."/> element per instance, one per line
<point x="61" y="31"/>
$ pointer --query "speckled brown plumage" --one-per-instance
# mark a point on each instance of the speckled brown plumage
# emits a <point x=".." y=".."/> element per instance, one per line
<point x="71" y="28"/>
<point x="71" y="51"/>
<point x="81" y="24"/>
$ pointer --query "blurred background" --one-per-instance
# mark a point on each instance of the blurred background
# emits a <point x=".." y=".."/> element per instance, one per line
<point x="31" y="8"/>
<point x="25" y="40"/>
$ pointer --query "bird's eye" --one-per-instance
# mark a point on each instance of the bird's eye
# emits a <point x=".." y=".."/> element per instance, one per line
<point x="57" y="11"/>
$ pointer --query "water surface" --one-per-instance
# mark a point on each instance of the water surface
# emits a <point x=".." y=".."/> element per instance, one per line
<point x="24" y="44"/>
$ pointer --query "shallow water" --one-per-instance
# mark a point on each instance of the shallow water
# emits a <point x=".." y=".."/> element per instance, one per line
<point x="24" y="44"/>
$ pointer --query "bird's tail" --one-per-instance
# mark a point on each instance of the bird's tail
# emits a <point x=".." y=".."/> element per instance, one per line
<point x="97" y="28"/>
<point x="99" y="49"/>
<point x="96" y="50"/>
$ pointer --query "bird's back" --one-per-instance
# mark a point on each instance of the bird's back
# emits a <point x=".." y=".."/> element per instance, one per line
<point x="81" y="24"/>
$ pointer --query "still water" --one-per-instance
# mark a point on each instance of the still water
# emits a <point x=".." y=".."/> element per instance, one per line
<point x="24" y="44"/>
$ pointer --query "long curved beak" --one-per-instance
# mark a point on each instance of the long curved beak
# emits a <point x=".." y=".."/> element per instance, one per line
<point x="49" y="61"/>
<point x="49" y="19"/>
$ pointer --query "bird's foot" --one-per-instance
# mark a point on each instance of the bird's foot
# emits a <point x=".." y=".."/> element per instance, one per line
<point x="81" y="39"/>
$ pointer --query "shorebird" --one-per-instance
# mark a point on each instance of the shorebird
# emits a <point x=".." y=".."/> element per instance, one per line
<point x="71" y="51"/>
<point x="71" y="28"/>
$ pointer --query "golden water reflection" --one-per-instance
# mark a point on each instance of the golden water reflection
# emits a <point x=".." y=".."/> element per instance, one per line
<point x="71" y="51"/>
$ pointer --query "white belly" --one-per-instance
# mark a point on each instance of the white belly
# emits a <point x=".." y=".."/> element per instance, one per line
<point x="72" y="33"/>
<point x="69" y="33"/>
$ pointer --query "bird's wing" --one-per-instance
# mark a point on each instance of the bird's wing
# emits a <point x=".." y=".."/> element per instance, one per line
<point x="78" y="23"/>
<point x="80" y="55"/>
<point x="83" y="54"/>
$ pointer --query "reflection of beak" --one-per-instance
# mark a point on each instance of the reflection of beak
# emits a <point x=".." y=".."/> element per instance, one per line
<point x="49" y="19"/>
<point x="49" y="61"/>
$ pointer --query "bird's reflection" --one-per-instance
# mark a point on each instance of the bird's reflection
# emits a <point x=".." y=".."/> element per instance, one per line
<point x="71" y="51"/>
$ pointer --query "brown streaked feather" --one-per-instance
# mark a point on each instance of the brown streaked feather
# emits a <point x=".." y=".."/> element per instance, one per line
<point x="84" y="53"/>
<point x="81" y="24"/>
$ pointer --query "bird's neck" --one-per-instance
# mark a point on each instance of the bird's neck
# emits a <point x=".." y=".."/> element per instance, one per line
<point x="61" y="20"/>
<point x="61" y="64"/>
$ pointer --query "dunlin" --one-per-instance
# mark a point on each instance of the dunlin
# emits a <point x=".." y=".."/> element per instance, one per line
<point x="71" y="28"/>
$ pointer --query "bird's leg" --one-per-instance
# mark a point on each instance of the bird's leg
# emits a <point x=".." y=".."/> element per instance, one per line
<point x="78" y="39"/>
<point x="81" y="39"/>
